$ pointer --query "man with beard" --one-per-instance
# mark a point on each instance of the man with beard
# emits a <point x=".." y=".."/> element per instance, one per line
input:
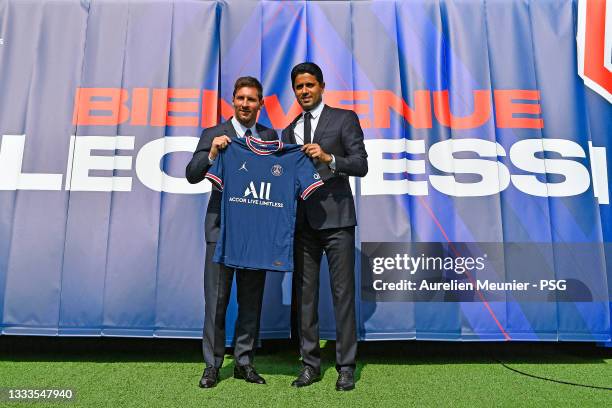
<point x="247" y="101"/>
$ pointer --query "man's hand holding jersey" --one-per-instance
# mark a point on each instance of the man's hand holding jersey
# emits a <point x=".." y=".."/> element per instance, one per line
<point x="218" y="143"/>
<point x="314" y="151"/>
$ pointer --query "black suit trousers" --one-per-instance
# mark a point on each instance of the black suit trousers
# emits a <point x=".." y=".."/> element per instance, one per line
<point x="217" y="289"/>
<point x="339" y="247"/>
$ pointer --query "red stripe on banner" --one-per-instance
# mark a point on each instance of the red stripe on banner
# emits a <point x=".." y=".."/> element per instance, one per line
<point x="310" y="189"/>
<point x="216" y="180"/>
<point x="450" y="244"/>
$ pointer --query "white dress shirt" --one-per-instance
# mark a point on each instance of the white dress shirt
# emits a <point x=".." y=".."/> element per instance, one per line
<point x="241" y="129"/>
<point x="298" y="130"/>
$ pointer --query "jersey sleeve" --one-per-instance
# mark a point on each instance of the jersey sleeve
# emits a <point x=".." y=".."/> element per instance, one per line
<point x="215" y="172"/>
<point x="308" y="179"/>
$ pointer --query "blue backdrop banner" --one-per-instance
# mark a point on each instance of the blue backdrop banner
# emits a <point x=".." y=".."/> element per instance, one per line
<point x="485" y="214"/>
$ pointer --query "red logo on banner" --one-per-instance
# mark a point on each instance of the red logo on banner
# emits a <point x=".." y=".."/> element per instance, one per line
<point x="595" y="45"/>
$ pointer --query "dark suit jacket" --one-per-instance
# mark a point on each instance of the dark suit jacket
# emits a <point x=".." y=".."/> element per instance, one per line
<point x="339" y="133"/>
<point x="199" y="165"/>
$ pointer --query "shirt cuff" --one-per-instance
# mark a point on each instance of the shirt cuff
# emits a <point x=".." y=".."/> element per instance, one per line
<point x="332" y="163"/>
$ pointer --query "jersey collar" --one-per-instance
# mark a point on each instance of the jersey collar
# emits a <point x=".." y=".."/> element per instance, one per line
<point x="263" y="147"/>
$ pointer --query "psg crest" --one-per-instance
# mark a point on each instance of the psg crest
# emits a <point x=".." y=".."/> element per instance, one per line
<point x="277" y="170"/>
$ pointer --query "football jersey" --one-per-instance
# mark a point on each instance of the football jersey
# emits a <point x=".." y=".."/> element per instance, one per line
<point x="261" y="182"/>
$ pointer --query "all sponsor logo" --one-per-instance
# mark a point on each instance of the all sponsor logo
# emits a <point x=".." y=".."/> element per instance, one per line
<point x="263" y="193"/>
<point x="257" y="194"/>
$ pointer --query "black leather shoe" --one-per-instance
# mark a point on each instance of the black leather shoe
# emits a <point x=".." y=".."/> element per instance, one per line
<point x="248" y="374"/>
<point x="307" y="376"/>
<point x="210" y="378"/>
<point x="346" y="381"/>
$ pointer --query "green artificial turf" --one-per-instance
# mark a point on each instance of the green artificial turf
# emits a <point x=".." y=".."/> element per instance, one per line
<point x="158" y="372"/>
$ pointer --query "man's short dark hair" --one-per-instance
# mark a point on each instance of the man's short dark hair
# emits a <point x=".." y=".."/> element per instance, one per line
<point x="250" y="82"/>
<point x="306" y="68"/>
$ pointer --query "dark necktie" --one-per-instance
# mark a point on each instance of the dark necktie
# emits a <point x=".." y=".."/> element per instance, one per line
<point x="248" y="133"/>
<point x="307" y="128"/>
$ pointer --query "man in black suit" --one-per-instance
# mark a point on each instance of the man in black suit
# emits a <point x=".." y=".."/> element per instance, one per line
<point x="247" y="101"/>
<point x="326" y="223"/>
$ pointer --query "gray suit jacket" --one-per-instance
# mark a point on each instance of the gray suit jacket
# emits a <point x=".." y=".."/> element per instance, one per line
<point x="199" y="165"/>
